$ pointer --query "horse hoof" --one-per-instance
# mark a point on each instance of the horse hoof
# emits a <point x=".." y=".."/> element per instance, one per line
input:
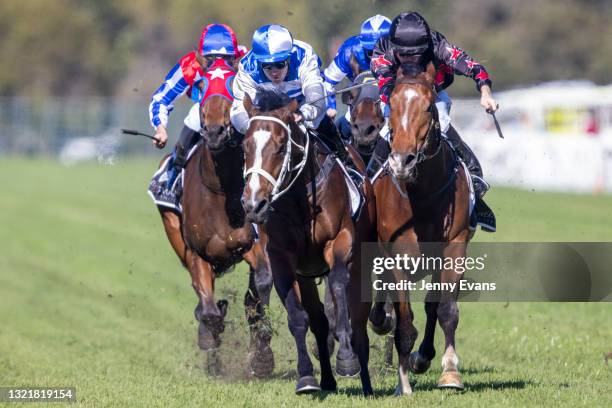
<point x="328" y="384"/>
<point x="206" y="340"/>
<point x="307" y="385"/>
<point x="451" y="380"/>
<point x="399" y="392"/>
<point x="348" y="367"/>
<point x="417" y="363"/>
<point x="261" y="363"/>
<point x="384" y="327"/>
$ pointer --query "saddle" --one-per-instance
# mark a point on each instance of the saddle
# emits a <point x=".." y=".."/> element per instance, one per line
<point x="354" y="180"/>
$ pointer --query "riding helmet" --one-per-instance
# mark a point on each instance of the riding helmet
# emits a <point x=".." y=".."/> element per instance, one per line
<point x="410" y="34"/>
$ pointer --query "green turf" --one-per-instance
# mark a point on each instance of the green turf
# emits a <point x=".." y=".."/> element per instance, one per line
<point x="91" y="296"/>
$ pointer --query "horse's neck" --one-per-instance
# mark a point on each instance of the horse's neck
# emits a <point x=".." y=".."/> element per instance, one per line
<point x="434" y="172"/>
<point x="222" y="172"/>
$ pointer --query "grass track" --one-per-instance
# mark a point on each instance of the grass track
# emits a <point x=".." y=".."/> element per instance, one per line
<point x="92" y="296"/>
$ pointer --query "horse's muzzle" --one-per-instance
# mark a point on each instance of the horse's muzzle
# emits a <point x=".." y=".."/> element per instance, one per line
<point x="256" y="211"/>
<point x="216" y="137"/>
<point x="403" y="166"/>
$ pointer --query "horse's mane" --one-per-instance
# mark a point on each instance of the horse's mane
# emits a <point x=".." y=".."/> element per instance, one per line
<point x="411" y="69"/>
<point x="267" y="100"/>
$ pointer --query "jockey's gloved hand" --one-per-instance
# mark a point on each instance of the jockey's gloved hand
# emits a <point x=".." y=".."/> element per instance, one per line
<point x="309" y="112"/>
<point x="298" y="117"/>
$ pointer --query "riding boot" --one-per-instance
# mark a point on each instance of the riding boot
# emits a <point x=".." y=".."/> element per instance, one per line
<point x="328" y="130"/>
<point x="380" y="155"/>
<point x="183" y="145"/>
<point x="484" y="215"/>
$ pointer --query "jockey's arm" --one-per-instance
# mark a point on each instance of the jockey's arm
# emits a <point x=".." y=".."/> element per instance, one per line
<point x="162" y="103"/>
<point x="333" y="74"/>
<point x="383" y="67"/>
<point x="312" y="88"/>
<point x="243" y="84"/>
<point x="464" y="64"/>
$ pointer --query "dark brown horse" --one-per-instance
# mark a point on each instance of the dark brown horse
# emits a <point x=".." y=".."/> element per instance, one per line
<point x="423" y="196"/>
<point x="297" y="194"/>
<point x="367" y="118"/>
<point x="212" y="235"/>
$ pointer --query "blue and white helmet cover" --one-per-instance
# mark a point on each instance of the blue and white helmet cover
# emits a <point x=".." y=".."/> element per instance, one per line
<point x="272" y="43"/>
<point x="372" y="29"/>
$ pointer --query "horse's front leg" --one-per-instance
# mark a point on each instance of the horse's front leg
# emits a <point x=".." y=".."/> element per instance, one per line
<point x="283" y="266"/>
<point x="448" y="317"/>
<point x="256" y="299"/>
<point x="337" y="255"/>
<point x="209" y="314"/>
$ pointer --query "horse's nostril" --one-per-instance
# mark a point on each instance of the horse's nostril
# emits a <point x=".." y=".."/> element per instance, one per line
<point x="370" y="129"/>
<point x="221" y="130"/>
<point x="409" y="158"/>
<point x="262" y="205"/>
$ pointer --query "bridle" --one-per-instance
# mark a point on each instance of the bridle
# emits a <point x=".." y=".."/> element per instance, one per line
<point x="286" y="169"/>
<point x="432" y="129"/>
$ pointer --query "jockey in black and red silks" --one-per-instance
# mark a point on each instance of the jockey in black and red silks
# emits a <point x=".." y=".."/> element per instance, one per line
<point x="411" y="40"/>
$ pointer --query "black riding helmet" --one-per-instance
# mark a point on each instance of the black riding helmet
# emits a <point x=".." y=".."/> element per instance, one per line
<point x="410" y="34"/>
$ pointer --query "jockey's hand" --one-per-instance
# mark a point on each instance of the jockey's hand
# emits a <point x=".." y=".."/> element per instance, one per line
<point x="331" y="112"/>
<point x="297" y="117"/>
<point x="486" y="99"/>
<point x="161" y="137"/>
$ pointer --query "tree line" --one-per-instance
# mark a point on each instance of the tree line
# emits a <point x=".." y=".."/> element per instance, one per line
<point x="116" y="47"/>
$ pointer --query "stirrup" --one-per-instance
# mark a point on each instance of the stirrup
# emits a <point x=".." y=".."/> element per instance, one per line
<point x="485" y="216"/>
<point x="480" y="185"/>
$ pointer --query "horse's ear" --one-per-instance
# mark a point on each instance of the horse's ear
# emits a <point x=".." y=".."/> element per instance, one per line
<point x="430" y="72"/>
<point x="293" y="106"/>
<point x="349" y="97"/>
<point x="248" y="105"/>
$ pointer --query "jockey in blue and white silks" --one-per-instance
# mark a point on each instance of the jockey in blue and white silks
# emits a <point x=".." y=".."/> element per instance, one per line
<point x="278" y="62"/>
<point x="359" y="47"/>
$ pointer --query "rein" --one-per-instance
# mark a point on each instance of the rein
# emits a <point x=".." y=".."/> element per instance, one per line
<point x="286" y="168"/>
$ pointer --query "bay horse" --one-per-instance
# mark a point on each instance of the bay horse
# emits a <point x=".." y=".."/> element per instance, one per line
<point x="296" y="193"/>
<point x="423" y="196"/>
<point x="366" y="122"/>
<point x="366" y="116"/>
<point x="212" y="235"/>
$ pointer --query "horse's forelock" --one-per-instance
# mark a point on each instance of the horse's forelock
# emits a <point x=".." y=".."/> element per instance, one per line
<point x="268" y="100"/>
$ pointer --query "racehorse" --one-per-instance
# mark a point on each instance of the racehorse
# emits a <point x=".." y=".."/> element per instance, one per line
<point x="367" y="118"/>
<point x="423" y="196"/>
<point x="366" y="123"/>
<point x="212" y="234"/>
<point x="295" y="191"/>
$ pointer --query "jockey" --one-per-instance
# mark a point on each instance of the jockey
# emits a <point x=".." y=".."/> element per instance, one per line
<point x="411" y="40"/>
<point x="216" y="41"/>
<point x="360" y="48"/>
<point x="278" y="62"/>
